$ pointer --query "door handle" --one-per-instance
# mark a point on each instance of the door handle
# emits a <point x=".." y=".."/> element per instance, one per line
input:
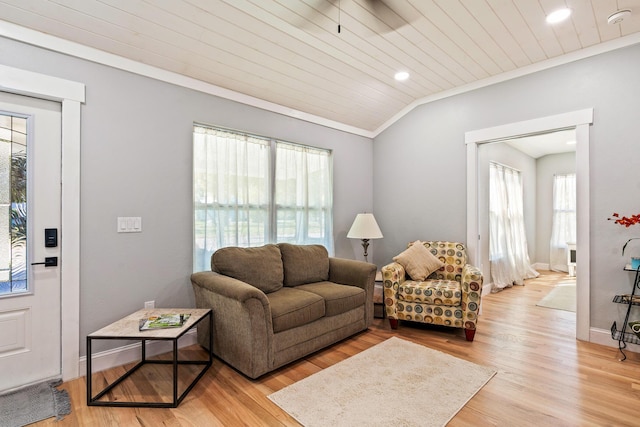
<point x="51" y="261"/>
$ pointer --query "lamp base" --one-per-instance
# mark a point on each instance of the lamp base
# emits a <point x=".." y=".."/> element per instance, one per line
<point x="365" y="245"/>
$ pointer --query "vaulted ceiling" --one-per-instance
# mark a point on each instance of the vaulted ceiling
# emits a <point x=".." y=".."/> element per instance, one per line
<point x="290" y="53"/>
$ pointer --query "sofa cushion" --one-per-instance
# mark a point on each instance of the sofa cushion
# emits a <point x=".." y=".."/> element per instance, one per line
<point x="291" y="307"/>
<point x="418" y="261"/>
<point x="337" y="298"/>
<point x="436" y="292"/>
<point x="304" y="263"/>
<point x="260" y="267"/>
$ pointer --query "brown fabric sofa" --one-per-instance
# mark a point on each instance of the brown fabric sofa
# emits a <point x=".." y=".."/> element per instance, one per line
<point x="277" y="303"/>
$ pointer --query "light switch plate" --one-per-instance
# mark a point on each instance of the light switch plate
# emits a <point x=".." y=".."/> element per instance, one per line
<point x="129" y="224"/>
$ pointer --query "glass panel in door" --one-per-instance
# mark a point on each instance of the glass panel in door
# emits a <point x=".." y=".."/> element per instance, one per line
<point x="13" y="205"/>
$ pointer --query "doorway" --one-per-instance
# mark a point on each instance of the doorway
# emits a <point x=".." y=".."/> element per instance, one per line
<point x="538" y="160"/>
<point x="30" y="191"/>
<point x="578" y="120"/>
<point x="71" y="95"/>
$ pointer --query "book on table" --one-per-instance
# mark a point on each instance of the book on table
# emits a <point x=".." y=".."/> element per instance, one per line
<point x="163" y="321"/>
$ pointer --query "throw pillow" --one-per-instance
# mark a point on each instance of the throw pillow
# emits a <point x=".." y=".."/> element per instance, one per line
<point x="260" y="267"/>
<point x="304" y="263"/>
<point x="418" y="261"/>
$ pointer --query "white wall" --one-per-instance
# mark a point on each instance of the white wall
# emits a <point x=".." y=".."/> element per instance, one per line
<point x="420" y="161"/>
<point x="136" y="160"/>
<point x="547" y="167"/>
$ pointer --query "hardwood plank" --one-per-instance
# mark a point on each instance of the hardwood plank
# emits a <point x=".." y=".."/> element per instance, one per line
<point x="545" y="376"/>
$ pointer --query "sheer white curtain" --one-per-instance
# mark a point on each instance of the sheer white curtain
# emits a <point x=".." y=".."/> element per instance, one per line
<point x="508" y="252"/>
<point x="249" y="191"/>
<point x="563" y="228"/>
<point x="304" y="195"/>
<point x="231" y="188"/>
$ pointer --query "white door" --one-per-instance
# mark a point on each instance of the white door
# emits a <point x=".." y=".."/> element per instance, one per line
<point x="30" y="191"/>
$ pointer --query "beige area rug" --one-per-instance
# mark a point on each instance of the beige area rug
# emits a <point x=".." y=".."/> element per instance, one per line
<point x="561" y="297"/>
<point x="394" y="383"/>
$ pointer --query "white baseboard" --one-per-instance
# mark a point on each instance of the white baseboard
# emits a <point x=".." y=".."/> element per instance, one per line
<point x="131" y="353"/>
<point x="486" y="289"/>
<point x="603" y="337"/>
<point x="541" y="266"/>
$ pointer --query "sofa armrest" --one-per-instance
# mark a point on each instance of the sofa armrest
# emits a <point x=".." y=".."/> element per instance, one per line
<point x="393" y="275"/>
<point x="471" y="286"/>
<point x="228" y="286"/>
<point x="242" y="324"/>
<point x="355" y="273"/>
<point x="351" y="272"/>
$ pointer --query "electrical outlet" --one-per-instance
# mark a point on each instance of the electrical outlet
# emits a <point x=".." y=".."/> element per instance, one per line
<point x="149" y="304"/>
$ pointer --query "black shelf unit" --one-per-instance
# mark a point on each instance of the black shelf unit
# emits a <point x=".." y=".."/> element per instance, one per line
<point x="622" y="336"/>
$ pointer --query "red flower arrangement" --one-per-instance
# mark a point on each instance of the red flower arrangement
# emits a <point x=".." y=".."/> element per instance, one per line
<point x="624" y="220"/>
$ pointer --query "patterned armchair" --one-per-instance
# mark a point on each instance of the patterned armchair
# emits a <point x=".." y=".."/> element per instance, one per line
<point x="448" y="296"/>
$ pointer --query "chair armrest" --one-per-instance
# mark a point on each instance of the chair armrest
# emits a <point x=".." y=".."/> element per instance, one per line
<point x="393" y="275"/>
<point x="242" y="324"/>
<point x="355" y="273"/>
<point x="471" y="286"/>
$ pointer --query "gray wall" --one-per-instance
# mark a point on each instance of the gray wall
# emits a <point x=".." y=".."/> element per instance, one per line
<point x="136" y="160"/>
<point x="547" y="167"/>
<point x="419" y="162"/>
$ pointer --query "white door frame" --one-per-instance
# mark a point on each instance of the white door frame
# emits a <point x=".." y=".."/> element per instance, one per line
<point x="578" y="120"/>
<point x="71" y="95"/>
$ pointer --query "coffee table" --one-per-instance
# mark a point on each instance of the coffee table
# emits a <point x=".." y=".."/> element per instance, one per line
<point x="127" y="329"/>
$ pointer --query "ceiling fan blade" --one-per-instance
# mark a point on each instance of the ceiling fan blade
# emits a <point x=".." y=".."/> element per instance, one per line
<point x="381" y="16"/>
<point x="388" y="17"/>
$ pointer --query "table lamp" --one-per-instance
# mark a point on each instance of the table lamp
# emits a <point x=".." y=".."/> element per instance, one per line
<point x="365" y="228"/>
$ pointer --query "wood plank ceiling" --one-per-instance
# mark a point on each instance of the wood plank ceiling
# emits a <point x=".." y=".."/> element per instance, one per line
<point x="290" y="53"/>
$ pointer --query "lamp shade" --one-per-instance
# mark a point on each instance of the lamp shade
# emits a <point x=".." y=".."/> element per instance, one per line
<point x="365" y="227"/>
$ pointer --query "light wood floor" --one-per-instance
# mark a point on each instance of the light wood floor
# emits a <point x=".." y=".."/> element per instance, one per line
<point x="545" y="377"/>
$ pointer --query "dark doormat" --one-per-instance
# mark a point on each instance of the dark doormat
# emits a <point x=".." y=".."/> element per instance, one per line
<point x="34" y="403"/>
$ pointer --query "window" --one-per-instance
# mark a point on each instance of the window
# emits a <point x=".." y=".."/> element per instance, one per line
<point x="563" y="230"/>
<point x="250" y="191"/>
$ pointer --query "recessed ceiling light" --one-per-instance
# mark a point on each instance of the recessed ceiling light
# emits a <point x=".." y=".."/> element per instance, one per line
<point x="401" y="76"/>
<point x="558" y="16"/>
